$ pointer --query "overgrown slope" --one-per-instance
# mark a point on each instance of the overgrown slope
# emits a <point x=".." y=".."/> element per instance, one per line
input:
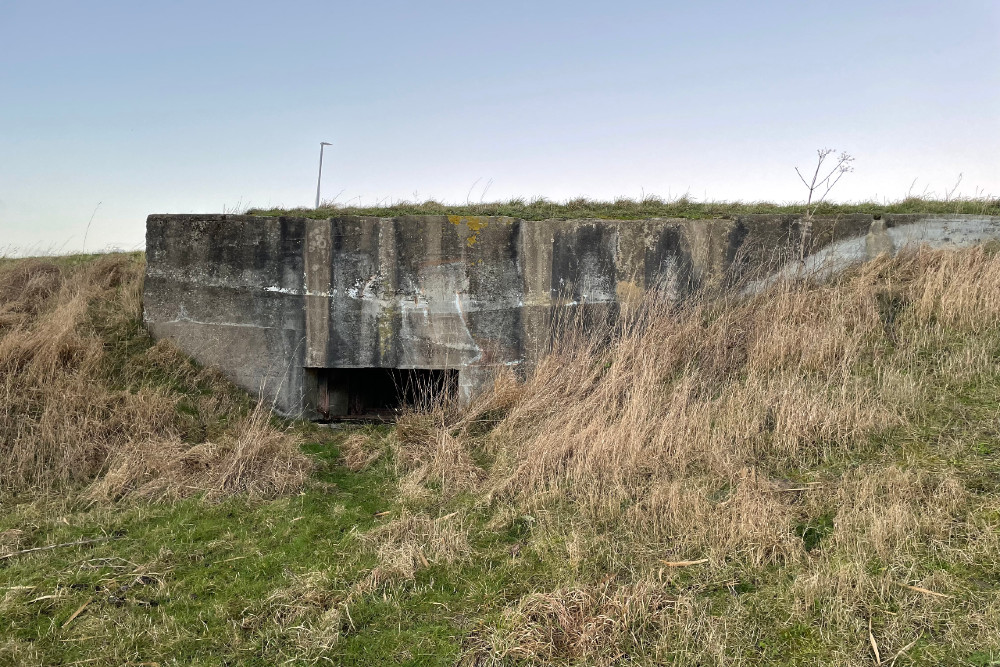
<point x="88" y="398"/>
<point x="810" y="475"/>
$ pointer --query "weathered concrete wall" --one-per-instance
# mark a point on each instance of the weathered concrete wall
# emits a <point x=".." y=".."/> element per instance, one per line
<point x="229" y="291"/>
<point x="265" y="298"/>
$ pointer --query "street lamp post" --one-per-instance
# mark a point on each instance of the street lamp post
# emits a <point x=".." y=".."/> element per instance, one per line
<point x="319" y="179"/>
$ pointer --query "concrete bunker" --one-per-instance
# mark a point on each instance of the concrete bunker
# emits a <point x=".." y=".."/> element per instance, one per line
<point x="356" y="317"/>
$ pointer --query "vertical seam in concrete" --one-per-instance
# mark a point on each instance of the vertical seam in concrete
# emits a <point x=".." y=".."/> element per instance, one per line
<point x="318" y="291"/>
<point x="388" y="269"/>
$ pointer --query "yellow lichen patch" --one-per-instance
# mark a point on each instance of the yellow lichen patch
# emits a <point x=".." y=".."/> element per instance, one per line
<point x="473" y="222"/>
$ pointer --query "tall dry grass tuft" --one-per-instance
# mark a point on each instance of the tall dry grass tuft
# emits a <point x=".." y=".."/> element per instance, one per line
<point x="83" y="388"/>
<point x="427" y="452"/>
<point x="742" y="432"/>
<point x="578" y="625"/>
<point x="357" y="452"/>
<point x="253" y="459"/>
<point x="688" y="422"/>
<point x="310" y="611"/>
<point x="412" y="542"/>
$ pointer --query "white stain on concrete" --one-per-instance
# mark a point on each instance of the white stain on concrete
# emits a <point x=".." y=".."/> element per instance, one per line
<point x="936" y="232"/>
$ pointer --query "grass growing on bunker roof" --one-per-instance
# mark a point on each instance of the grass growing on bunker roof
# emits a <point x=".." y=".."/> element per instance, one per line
<point x="634" y="209"/>
<point x="804" y="476"/>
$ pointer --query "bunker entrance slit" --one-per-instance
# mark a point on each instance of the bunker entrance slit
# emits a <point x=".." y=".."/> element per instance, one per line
<point x="376" y="393"/>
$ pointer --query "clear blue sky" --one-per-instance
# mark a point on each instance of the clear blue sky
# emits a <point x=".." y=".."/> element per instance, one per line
<point x="178" y="106"/>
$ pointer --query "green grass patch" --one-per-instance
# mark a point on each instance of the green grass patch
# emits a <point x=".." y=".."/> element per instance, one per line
<point x="637" y="209"/>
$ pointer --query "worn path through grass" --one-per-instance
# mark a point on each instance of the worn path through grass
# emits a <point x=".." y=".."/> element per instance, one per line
<point x="190" y="582"/>
<point x="245" y="582"/>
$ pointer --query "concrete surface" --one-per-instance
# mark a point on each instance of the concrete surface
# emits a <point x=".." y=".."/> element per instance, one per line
<point x="274" y="301"/>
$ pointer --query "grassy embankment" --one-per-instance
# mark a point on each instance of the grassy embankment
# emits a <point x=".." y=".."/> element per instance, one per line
<point x="807" y="476"/>
<point x="633" y="209"/>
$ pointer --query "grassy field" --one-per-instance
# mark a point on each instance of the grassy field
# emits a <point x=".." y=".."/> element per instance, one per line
<point x="635" y="209"/>
<point x="806" y="476"/>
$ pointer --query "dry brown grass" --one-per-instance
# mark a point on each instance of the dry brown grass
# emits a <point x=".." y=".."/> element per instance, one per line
<point x="687" y="425"/>
<point x="580" y="624"/>
<point x="719" y="430"/>
<point x="83" y="392"/>
<point x="254" y="459"/>
<point x="357" y="452"/>
<point x="310" y="609"/>
<point x="428" y="454"/>
<point x="313" y="609"/>
<point x="415" y="541"/>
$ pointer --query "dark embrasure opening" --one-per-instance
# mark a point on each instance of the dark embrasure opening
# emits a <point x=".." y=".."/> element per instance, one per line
<point x="376" y="393"/>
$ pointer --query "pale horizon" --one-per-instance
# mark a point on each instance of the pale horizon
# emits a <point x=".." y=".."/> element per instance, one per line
<point x="214" y="107"/>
